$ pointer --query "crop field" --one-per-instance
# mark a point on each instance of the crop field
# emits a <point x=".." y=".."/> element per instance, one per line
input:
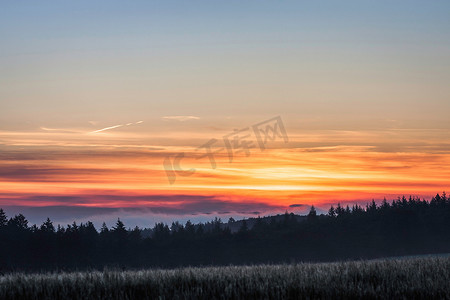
<point x="410" y="278"/>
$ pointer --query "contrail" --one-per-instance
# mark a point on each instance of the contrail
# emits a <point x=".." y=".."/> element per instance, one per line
<point x="115" y="126"/>
<point x="107" y="128"/>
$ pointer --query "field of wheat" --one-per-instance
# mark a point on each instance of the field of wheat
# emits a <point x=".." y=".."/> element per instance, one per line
<point x="411" y="278"/>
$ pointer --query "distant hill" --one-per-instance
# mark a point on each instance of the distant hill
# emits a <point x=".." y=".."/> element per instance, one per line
<point x="235" y="225"/>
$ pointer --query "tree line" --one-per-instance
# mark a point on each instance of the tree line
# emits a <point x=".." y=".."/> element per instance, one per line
<point x="405" y="226"/>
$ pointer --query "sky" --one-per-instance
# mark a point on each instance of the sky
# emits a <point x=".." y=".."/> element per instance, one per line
<point x="106" y="107"/>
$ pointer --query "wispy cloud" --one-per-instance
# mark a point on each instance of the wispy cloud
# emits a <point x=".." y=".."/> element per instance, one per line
<point x="297" y="205"/>
<point x="158" y="204"/>
<point x="59" y="130"/>
<point x="181" y="118"/>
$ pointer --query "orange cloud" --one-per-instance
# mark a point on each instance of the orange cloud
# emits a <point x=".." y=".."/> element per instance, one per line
<point x="316" y="167"/>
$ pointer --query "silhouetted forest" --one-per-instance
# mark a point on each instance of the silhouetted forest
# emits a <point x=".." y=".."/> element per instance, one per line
<point x="401" y="227"/>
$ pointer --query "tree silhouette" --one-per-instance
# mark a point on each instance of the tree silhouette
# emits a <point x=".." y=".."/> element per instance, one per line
<point x="104" y="229"/>
<point x="244" y="227"/>
<point x="47" y="226"/>
<point x="18" y="222"/>
<point x="120" y="227"/>
<point x="339" y="210"/>
<point x="3" y="218"/>
<point x="332" y="212"/>
<point x="312" y="215"/>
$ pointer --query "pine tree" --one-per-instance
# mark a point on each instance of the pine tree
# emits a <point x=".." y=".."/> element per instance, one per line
<point x="339" y="210"/>
<point x="190" y="228"/>
<point x="347" y="210"/>
<point x="217" y="225"/>
<point x="19" y="221"/>
<point x="385" y="205"/>
<point x="120" y="227"/>
<point x="3" y="218"/>
<point x="104" y="229"/>
<point x="312" y="215"/>
<point x="332" y="212"/>
<point x="47" y="226"/>
<point x="373" y="206"/>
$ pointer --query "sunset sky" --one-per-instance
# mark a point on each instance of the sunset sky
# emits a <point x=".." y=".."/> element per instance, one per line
<point x="94" y="97"/>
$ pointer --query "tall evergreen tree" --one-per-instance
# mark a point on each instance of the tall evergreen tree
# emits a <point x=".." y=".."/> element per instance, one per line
<point x="312" y="215"/>
<point x="47" y="226"/>
<point x="331" y="212"/>
<point x="3" y="218"/>
<point x="19" y="222"/>
<point x="104" y="229"/>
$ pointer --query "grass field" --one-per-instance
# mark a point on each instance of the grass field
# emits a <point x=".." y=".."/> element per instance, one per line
<point x="407" y="278"/>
